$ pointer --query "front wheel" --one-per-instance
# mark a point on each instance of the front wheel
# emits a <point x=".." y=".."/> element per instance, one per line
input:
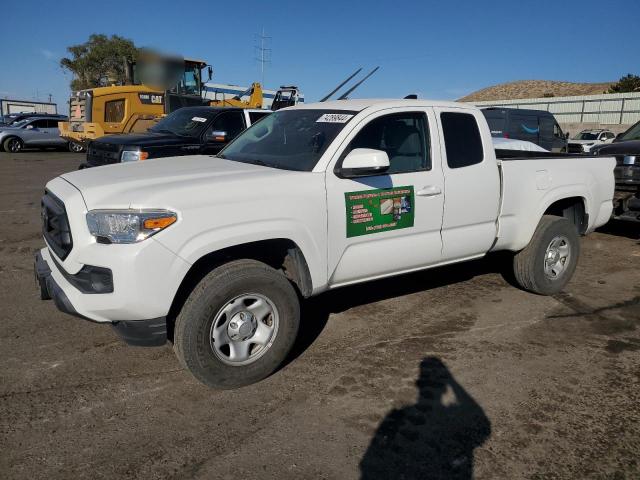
<point x="546" y="265"/>
<point x="76" y="147"/>
<point x="238" y="325"/>
<point x="13" y="145"/>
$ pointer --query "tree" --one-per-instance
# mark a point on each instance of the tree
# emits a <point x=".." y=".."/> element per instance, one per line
<point x="628" y="83"/>
<point x="99" y="58"/>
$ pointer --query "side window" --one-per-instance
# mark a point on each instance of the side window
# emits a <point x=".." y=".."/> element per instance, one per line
<point x="52" y="123"/>
<point x="40" y="123"/>
<point x="403" y="136"/>
<point x="114" y="111"/>
<point x="230" y="122"/>
<point x="255" y="116"/>
<point x="462" y="139"/>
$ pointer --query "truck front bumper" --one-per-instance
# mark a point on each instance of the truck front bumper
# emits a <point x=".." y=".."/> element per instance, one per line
<point x="147" y="333"/>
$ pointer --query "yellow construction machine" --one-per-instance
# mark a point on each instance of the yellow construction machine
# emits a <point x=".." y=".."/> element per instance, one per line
<point x="132" y="107"/>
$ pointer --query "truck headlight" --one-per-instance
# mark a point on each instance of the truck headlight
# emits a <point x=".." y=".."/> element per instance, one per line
<point x="128" y="226"/>
<point x="133" y="156"/>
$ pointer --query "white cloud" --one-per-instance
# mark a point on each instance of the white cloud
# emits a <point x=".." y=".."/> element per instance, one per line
<point x="48" y="54"/>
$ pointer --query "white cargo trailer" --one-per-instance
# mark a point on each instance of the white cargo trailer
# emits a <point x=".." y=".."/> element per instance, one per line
<point x="8" y="106"/>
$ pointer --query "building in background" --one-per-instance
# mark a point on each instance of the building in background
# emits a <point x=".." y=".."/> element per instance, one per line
<point x="8" y="106"/>
<point x="614" y="111"/>
<point x="223" y="91"/>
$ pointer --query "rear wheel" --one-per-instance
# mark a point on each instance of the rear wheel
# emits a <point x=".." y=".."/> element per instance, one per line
<point x="238" y="324"/>
<point x="13" y="145"/>
<point x="76" y="147"/>
<point x="547" y="264"/>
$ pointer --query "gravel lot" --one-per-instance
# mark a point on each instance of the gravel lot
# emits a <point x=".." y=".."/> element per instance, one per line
<point x="449" y="373"/>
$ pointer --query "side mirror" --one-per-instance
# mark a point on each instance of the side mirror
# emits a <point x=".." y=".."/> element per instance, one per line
<point x="566" y="135"/>
<point x="363" y="162"/>
<point x="217" y="136"/>
<point x="210" y="72"/>
<point x="29" y="127"/>
<point x="618" y="136"/>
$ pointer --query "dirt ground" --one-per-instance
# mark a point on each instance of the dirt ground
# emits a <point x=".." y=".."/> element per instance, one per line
<point x="449" y="373"/>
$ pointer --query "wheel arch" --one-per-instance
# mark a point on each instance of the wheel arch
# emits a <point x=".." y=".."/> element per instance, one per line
<point x="281" y="254"/>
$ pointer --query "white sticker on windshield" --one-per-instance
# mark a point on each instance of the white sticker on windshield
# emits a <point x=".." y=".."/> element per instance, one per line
<point x="199" y="119"/>
<point x="334" y="118"/>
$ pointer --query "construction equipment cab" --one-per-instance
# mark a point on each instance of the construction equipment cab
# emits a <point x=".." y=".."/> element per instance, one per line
<point x="130" y="108"/>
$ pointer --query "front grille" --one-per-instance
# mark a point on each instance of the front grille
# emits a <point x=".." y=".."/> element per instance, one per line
<point x="575" y="148"/>
<point x="78" y="108"/>
<point x="55" y="225"/>
<point x="100" y="153"/>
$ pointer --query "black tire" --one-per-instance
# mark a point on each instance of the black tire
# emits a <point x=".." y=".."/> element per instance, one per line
<point x="529" y="264"/>
<point x="193" y="328"/>
<point x="75" y="147"/>
<point x="13" y="145"/>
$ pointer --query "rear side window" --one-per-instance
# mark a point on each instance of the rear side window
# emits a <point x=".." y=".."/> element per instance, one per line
<point x="462" y="139"/>
<point x="114" y="111"/>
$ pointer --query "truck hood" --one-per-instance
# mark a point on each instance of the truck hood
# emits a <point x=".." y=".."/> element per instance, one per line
<point x="146" y="140"/>
<point x="171" y="182"/>
<point x="582" y="142"/>
<point x="630" y="147"/>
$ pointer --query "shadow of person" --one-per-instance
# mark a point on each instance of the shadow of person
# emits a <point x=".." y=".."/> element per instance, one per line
<point x="433" y="439"/>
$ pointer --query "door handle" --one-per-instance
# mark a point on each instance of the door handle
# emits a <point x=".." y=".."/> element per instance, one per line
<point x="429" y="191"/>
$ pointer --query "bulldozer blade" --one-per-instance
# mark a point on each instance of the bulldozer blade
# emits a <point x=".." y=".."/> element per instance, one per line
<point x="325" y="98"/>
<point x="346" y="94"/>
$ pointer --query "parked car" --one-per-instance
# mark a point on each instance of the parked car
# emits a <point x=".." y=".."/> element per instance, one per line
<point x="626" y="150"/>
<point x="536" y="126"/>
<point x="187" y="131"/>
<point x="311" y="198"/>
<point x="33" y="132"/>
<point x="587" y="139"/>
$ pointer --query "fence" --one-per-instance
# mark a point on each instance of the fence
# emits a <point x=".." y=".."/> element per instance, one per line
<point x="604" y="109"/>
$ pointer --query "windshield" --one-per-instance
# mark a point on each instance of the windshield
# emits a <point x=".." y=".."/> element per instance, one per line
<point x="289" y="139"/>
<point x="185" y="122"/>
<point x="587" y="136"/>
<point x="632" y="134"/>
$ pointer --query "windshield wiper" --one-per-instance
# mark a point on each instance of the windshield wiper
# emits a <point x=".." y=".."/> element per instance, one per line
<point x="163" y="130"/>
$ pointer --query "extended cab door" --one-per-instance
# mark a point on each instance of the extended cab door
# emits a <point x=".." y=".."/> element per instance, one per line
<point x="387" y="223"/>
<point x="471" y="182"/>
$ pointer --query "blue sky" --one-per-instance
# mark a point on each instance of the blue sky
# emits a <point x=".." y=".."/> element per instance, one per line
<point x="439" y="50"/>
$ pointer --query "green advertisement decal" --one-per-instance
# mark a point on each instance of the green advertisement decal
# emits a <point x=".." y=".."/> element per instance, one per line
<point x="374" y="211"/>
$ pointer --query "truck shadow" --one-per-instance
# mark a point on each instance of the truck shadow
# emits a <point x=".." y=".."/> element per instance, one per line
<point x="621" y="228"/>
<point x="434" y="438"/>
<point x="315" y="311"/>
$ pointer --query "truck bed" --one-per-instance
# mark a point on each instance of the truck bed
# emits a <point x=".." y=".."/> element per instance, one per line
<point x="529" y="186"/>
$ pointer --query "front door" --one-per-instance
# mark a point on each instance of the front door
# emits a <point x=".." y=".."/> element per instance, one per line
<point x="231" y="122"/>
<point x="388" y="223"/>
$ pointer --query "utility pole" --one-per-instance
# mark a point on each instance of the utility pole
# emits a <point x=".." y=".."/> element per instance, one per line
<point x="263" y="53"/>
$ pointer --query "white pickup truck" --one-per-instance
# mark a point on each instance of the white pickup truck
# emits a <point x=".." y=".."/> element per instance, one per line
<point x="215" y="253"/>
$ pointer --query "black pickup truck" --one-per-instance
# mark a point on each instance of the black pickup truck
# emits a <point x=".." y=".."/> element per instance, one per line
<point x="187" y="131"/>
<point x="626" y="149"/>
